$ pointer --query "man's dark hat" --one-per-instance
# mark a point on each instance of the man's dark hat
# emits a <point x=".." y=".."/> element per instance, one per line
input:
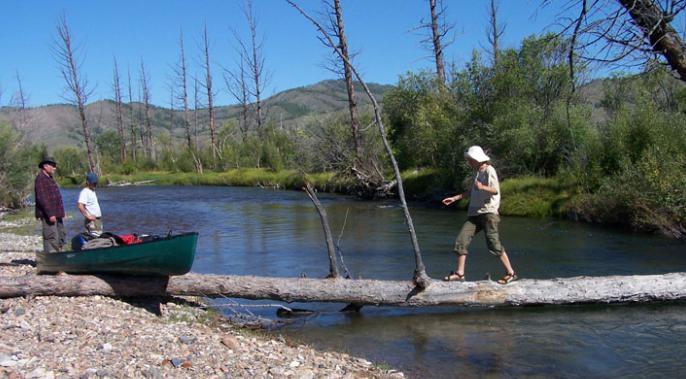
<point x="45" y="160"/>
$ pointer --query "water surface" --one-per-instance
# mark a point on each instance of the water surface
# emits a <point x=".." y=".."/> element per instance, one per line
<point x="250" y="231"/>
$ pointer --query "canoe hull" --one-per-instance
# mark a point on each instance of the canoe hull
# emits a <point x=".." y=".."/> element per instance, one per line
<point x="163" y="257"/>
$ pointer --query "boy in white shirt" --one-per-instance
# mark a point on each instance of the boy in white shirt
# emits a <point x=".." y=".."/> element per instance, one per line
<point x="89" y="206"/>
<point x="482" y="215"/>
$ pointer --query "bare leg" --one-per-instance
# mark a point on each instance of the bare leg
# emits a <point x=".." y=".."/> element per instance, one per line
<point x="506" y="262"/>
<point x="461" y="260"/>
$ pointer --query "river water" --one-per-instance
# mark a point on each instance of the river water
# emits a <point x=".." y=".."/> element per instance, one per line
<point x="251" y="231"/>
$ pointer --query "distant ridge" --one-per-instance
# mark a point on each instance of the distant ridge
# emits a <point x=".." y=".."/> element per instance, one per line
<point x="57" y="125"/>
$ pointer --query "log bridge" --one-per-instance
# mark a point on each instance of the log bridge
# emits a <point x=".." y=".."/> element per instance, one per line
<point x="582" y="289"/>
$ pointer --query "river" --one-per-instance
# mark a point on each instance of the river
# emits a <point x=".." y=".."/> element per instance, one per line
<point x="252" y="231"/>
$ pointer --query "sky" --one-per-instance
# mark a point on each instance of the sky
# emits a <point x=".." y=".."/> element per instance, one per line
<point x="381" y="32"/>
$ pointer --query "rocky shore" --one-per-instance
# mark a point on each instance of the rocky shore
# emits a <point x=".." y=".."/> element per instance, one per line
<point x="101" y="337"/>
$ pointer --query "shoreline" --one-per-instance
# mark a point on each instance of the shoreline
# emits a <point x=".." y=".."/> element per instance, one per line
<point x="96" y="336"/>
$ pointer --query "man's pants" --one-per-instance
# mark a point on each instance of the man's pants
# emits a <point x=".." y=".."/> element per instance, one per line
<point x="53" y="236"/>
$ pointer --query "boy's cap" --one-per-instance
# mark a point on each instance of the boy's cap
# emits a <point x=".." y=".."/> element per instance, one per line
<point x="92" y="178"/>
<point x="476" y="153"/>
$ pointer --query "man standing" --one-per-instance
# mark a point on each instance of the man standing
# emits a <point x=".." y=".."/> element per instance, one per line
<point x="49" y="207"/>
<point x="89" y="206"/>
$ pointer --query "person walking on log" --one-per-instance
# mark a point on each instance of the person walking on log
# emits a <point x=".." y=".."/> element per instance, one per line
<point x="89" y="207"/>
<point x="482" y="214"/>
<point x="49" y="206"/>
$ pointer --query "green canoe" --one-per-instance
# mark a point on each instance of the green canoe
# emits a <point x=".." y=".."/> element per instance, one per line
<point x="171" y="255"/>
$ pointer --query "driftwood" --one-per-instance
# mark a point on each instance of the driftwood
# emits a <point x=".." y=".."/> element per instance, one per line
<point x="609" y="289"/>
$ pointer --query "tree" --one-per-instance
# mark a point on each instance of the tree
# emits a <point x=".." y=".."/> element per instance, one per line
<point x="436" y="41"/>
<point x="119" y="112"/>
<point x="146" y="133"/>
<point x="132" y="119"/>
<point x="628" y="32"/>
<point x="210" y="94"/>
<point x="420" y="278"/>
<point x="339" y="32"/>
<point x="76" y="83"/>
<point x="238" y="88"/>
<point x="494" y="32"/>
<point x="255" y="63"/>
<point x="20" y="100"/>
<point x="182" y="77"/>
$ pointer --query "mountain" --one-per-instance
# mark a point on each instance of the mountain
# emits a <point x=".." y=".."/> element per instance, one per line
<point x="58" y="125"/>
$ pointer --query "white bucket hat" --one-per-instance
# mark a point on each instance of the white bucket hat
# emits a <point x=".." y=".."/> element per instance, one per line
<point x="476" y="153"/>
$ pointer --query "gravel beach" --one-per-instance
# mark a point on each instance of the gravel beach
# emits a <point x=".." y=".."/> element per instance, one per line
<point x="102" y="337"/>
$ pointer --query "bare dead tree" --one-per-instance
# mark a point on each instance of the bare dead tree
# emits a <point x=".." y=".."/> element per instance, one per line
<point x="146" y="133"/>
<point x="132" y="119"/>
<point x="196" y="104"/>
<point x="494" y="31"/>
<point x="255" y="62"/>
<point x="182" y="78"/>
<point x="119" y="111"/>
<point x="237" y="86"/>
<point x="331" y="249"/>
<point x="627" y="32"/>
<point x="421" y="279"/>
<point x="339" y="32"/>
<point x="210" y="95"/>
<point x="20" y="101"/>
<point x="77" y="84"/>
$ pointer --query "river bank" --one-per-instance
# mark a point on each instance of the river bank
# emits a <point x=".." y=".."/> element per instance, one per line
<point x="88" y="337"/>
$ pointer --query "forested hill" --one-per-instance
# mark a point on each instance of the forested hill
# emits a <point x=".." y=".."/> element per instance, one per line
<point x="58" y="125"/>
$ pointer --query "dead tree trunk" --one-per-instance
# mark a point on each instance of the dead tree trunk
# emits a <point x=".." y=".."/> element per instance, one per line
<point x="437" y="43"/>
<point x="119" y="112"/>
<point x="182" y="77"/>
<point x="210" y="94"/>
<point x="655" y="25"/>
<point x="76" y="83"/>
<point x="132" y="120"/>
<point x="609" y="289"/>
<point x="146" y="136"/>
<point x="495" y="31"/>
<point x="333" y="265"/>
<point x="420" y="277"/>
<point x="347" y="74"/>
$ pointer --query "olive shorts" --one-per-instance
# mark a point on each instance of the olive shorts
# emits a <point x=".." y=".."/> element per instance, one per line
<point x="488" y="222"/>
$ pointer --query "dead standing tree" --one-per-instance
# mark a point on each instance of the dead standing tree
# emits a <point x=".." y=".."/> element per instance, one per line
<point x="20" y="101"/>
<point x="255" y="62"/>
<point x="238" y="88"/>
<point x="364" y="166"/>
<point x="627" y="32"/>
<point x="210" y="95"/>
<point x="181" y="74"/>
<point x="132" y="120"/>
<point x="146" y="133"/>
<point x="119" y="112"/>
<point x="494" y="32"/>
<point x="77" y="84"/>
<point x="421" y="279"/>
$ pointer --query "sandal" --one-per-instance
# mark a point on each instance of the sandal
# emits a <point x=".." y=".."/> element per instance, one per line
<point x="509" y="277"/>
<point x="454" y="277"/>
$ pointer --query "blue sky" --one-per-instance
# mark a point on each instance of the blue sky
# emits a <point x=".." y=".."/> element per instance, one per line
<point x="134" y="30"/>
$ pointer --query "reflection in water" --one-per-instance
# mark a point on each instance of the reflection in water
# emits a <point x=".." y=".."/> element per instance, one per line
<point x="278" y="233"/>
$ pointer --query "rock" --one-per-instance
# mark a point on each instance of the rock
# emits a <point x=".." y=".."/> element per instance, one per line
<point x="230" y="342"/>
<point x="19" y="311"/>
<point x="187" y="340"/>
<point x="176" y="362"/>
<point x="106" y="348"/>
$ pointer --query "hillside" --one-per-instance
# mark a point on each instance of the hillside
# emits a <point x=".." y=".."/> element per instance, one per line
<point x="58" y="125"/>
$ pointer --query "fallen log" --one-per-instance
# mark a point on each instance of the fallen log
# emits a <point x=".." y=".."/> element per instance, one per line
<point x="608" y="289"/>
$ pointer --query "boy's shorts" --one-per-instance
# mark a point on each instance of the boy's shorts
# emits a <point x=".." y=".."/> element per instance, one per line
<point x="488" y="222"/>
